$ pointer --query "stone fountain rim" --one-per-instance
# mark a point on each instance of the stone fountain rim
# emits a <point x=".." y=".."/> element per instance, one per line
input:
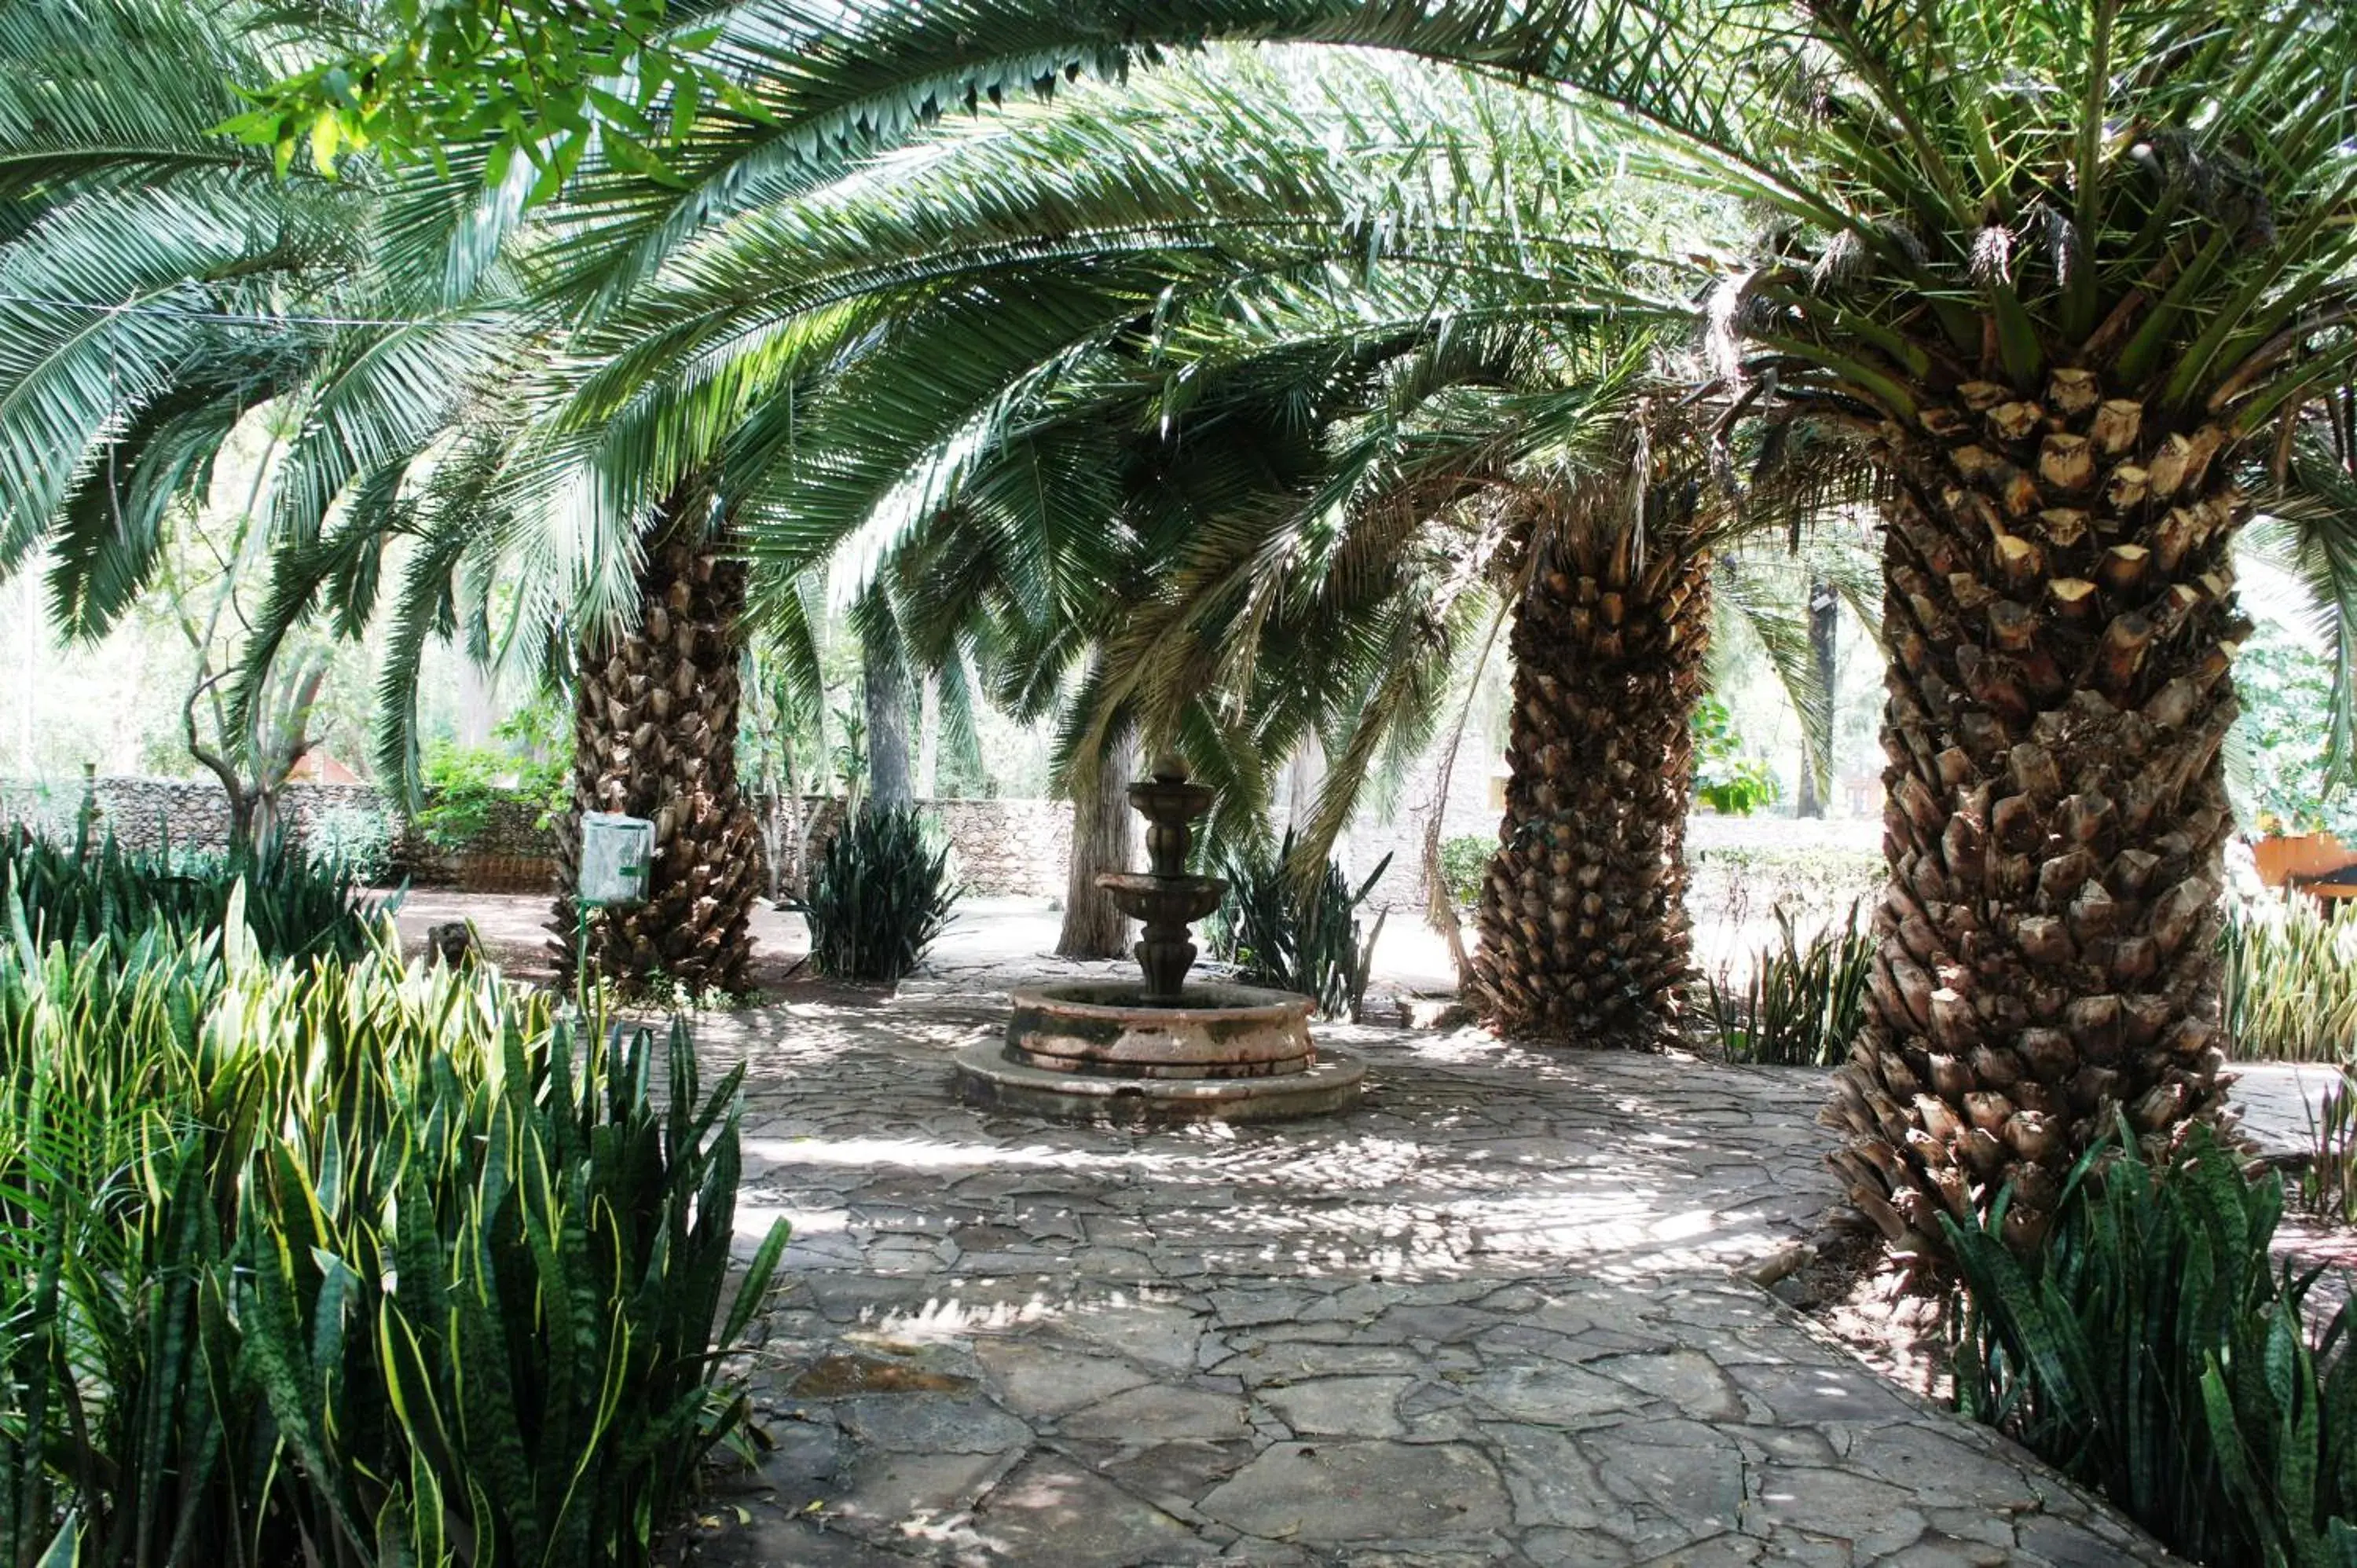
<point x="1093" y="999"/>
<point x="1150" y="882"/>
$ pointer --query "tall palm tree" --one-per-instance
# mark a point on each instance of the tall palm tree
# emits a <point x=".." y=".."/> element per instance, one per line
<point x="2054" y="269"/>
<point x="655" y="708"/>
<point x="162" y="281"/>
<point x="1583" y="920"/>
<point x="1349" y="525"/>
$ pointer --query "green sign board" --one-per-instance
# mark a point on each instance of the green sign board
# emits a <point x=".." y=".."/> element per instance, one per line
<point x="616" y="855"/>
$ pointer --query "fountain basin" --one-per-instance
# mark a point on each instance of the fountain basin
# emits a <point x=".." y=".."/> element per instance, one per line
<point x="1099" y="1051"/>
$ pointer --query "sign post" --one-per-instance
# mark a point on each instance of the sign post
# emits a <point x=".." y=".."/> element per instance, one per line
<point x="618" y="856"/>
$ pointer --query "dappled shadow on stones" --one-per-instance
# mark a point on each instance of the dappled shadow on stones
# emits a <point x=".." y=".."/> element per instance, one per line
<point x="1468" y="1157"/>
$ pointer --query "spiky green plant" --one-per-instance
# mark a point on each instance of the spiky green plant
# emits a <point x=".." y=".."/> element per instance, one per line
<point x="2156" y="1351"/>
<point x="85" y="892"/>
<point x="1295" y="937"/>
<point x="351" y="1265"/>
<point x="2328" y="1185"/>
<point x="878" y="894"/>
<point x="1805" y="1001"/>
<point x="2288" y="984"/>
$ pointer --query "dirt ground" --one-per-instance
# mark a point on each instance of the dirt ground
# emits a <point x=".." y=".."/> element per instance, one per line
<point x="513" y="931"/>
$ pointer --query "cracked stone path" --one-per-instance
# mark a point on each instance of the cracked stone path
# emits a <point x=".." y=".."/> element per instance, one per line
<point x="1487" y="1317"/>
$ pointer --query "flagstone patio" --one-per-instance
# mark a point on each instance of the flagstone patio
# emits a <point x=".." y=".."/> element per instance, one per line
<point x="1487" y="1317"/>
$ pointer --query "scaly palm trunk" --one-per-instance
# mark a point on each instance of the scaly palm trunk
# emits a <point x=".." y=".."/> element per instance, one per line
<point x="1584" y="932"/>
<point x="2060" y="617"/>
<point x="655" y="737"/>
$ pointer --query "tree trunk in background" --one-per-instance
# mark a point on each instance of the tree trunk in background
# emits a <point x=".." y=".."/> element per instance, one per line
<point x="1304" y="775"/>
<point x="1584" y="932"/>
<point x="929" y="739"/>
<point x="886" y="684"/>
<point x="2061" y="619"/>
<point x="1817" y="749"/>
<point x="478" y="704"/>
<point x="1104" y="838"/>
<point x="655" y="737"/>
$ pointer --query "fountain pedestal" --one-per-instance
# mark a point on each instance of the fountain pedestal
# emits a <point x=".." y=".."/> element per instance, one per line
<point x="1161" y="1051"/>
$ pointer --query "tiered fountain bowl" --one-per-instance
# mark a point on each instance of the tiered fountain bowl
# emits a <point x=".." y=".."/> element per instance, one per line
<point x="1161" y="1051"/>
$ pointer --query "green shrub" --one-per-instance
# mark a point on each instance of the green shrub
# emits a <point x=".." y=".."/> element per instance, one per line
<point x="79" y="894"/>
<point x="1725" y="780"/>
<point x="1305" y="939"/>
<point x="1804" y="1004"/>
<point x="349" y="1264"/>
<point x="2288" y="987"/>
<point x="877" y="897"/>
<point x="465" y="785"/>
<point x="1737" y="879"/>
<point x="360" y="838"/>
<point x="2285" y="778"/>
<point x="1465" y="866"/>
<point x="2155" y="1349"/>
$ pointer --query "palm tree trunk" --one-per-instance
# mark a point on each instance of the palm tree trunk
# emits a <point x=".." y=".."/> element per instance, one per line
<point x="885" y="684"/>
<point x="1817" y="737"/>
<point x="2061" y="619"/>
<point x="1104" y="838"/>
<point x="655" y="737"/>
<point x="1584" y="932"/>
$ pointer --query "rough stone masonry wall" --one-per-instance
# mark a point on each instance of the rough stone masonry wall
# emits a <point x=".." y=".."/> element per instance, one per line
<point x="1468" y="811"/>
<point x="999" y="848"/>
<point x="1003" y="847"/>
<point x="186" y="813"/>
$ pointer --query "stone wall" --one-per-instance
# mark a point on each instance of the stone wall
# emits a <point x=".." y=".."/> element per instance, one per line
<point x="1469" y="811"/>
<point x="186" y="813"/>
<point x="999" y="848"/>
<point x="1002" y="847"/>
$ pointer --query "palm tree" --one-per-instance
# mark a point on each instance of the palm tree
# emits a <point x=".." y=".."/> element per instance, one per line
<point x="655" y="737"/>
<point x="164" y="281"/>
<point x="2054" y="270"/>
<point x="1583" y="920"/>
<point x="160" y="285"/>
<point x="1355" y="427"/>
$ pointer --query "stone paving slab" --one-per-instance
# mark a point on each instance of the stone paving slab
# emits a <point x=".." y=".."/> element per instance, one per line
<point x="1487" y="1317"/>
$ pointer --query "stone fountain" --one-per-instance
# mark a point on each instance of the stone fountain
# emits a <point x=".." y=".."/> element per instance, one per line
<point x="1164" y="1051"/>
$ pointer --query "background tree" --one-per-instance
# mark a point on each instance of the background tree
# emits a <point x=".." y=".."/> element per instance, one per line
<point x="1817" y="747"/>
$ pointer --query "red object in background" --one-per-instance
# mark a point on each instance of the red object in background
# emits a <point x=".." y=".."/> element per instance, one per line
<point x="318" y="768"/>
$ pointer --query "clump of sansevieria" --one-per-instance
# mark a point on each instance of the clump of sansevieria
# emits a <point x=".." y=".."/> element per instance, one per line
<point x="878" y="894"/>
<point x="1804" y="1001"/>
<point x="2287" y="988"/>
<point x="353" y="1264"/>
<point x="80" y="890"/>
<point x="2156" y="1348"/>
<point x="2328" y="1184"/>
<point x="1297" y="935"/>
